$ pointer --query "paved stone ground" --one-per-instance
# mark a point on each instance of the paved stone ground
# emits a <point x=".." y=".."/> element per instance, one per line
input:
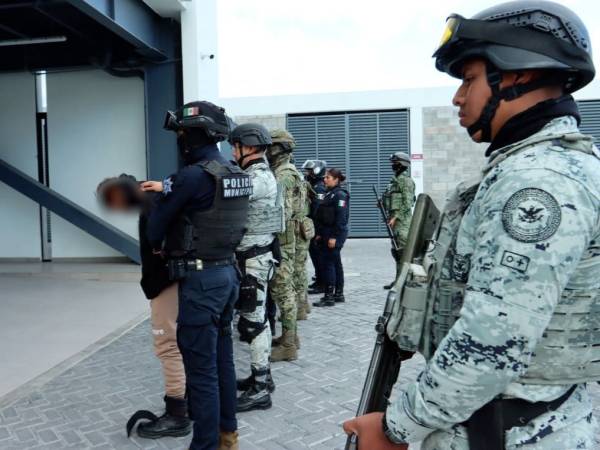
<point x="88" y="405"/>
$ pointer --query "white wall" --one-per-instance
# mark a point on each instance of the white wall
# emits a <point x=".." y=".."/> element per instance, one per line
<point x="96" y="129"/>
<point x="199" y="40"/>
<point x="19" y="216"/>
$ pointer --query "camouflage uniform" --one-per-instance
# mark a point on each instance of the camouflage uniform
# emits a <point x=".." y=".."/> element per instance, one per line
<point x="398" y="200"/>
<point x="261" y="266"/>
<point x="305" y="231"/>
<point x="283" y="287"/>
<point x="517" y="260"/>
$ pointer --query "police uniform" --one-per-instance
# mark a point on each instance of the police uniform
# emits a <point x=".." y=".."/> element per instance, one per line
<point x="317" y="194"/>
<point x="202" y="217"/>
<point x="332" y="223"/>
<point x="513" y="307"/>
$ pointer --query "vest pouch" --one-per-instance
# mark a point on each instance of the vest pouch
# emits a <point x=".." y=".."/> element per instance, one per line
<point x="446" y="310"/>
<point x="287" y="237"/>
<point x="405" y="325"/>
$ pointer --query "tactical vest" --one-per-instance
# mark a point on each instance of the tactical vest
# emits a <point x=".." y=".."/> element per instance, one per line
<point x="268" y="216"/>
<point x="431" y="305"/>
<point x="326" y="211"/>
<point x="216" y="232"/>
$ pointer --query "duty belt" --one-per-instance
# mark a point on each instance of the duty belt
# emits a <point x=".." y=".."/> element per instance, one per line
<point x="487" y="426"/>
<point x="253" y="252"/>
<point x="178" y="268"/>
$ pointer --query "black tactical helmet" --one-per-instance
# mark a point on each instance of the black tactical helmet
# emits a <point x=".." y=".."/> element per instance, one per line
<point x="400" y="159"/>
<point x="250" y="134"/>
<point x="518" y="35"/>
<point x="317" y="167"/>
<point x="202" y="115"/>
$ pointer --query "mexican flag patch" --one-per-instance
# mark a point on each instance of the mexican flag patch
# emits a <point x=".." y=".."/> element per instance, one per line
<point x="192" y="111"/>
<point x="342" y="203"/>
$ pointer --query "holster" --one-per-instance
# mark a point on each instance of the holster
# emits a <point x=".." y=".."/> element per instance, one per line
<point x="248" y="296"/>
<point x="487" y="426"/>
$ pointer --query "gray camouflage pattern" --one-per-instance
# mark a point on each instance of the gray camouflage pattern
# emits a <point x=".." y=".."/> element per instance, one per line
<point x="525" y="251"/>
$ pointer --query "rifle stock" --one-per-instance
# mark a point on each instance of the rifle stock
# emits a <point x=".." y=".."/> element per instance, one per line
<point x="387" y="357"/>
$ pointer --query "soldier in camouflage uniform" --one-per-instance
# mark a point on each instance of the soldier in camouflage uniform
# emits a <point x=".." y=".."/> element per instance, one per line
<point x="255" y="259"/>
<point x="305" y="232"/>
<point x="398" y="200"/>
<point x="283" y="288"/>
<point x="510" y="331"/>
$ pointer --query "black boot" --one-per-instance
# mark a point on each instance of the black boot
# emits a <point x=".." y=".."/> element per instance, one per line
<point x="339" y="295"/>
<point x="328" y="299"/>
<point x="174" y="422"/>
<point x="245" y="383"/>
<point x="316" y="289"/>
<point x="258" y="395"/>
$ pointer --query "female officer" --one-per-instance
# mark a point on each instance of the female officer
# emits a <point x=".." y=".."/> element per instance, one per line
<point x="332" y="231"/>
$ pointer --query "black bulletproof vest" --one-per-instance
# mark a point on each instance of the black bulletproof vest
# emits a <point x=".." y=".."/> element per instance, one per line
<point x="216" y="232"/>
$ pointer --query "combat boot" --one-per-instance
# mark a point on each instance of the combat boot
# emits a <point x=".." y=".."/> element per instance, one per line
<point x="174" y="422"/>
<point x="328" y="299"/>
<point x="228" y="440"/>
<point x="245" y="383"/>
<point x="287" y="351"/>
<point x="339" y="295"/>
<point x="258" y="395"/>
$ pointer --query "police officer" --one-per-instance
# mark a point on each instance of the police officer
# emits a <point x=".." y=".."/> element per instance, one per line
<point x="124" y="194"/>
<point x="283" y="287"/>
<point x="314" y="172"/>
<point x="510" y="334"/>
<point x="332" y="230"/>
<point x="197" y="224"/>
<point x="255" y="259"/>
<point x="398" y="200"/>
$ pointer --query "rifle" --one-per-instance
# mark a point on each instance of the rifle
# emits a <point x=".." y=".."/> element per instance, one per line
<point x="387" y="355"/>
<point x="386" y="220"/>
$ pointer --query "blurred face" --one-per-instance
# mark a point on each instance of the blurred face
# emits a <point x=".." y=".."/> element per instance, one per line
<point x="472" y="95"/>
<point x="237" y="151"/>
<point x="116" y="199"/>
<point x="330" y="181"/>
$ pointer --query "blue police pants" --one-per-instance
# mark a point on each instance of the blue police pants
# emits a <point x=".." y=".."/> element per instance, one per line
<point x="206" y="300"/>
<point x="331" y="264"/>
<point x="315" y="256"/>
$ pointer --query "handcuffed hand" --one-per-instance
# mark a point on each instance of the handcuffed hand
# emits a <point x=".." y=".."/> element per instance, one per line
<point x="369" y="430"/>
<point x="153" y="186"/>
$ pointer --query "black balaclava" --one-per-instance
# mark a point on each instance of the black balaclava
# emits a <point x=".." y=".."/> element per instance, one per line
<point x="532" y="120"/>
<point x="190" y="140"/>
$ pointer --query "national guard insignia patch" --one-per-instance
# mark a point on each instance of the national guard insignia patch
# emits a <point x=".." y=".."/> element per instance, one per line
<point x="235" y="186"/>
<point x="531" y="215"/>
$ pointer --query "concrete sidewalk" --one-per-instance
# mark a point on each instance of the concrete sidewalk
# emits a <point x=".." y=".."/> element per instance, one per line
<point x="87" y="406"/>
<point x="53" y="311"/>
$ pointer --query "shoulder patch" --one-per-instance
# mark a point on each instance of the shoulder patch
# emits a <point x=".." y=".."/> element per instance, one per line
<point x="531" y="215"/>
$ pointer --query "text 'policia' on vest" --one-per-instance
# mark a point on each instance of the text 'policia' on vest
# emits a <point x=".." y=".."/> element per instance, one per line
<point x="216" y="232"/>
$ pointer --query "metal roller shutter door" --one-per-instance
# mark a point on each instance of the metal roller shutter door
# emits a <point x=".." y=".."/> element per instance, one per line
<point x="359" y="143"/>
<point x="590" y="118"/>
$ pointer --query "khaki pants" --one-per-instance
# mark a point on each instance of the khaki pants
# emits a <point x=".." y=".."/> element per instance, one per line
<point x="164" y="329"/>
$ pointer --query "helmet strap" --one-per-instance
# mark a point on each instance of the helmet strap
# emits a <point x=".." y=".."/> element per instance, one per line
<point x="494" y="78"/>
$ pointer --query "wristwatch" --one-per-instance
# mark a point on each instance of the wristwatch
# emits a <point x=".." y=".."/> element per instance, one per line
<point x="388" y="433"/>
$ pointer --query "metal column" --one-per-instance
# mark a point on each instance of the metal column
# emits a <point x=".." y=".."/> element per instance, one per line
<point x="41" y="119"/>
